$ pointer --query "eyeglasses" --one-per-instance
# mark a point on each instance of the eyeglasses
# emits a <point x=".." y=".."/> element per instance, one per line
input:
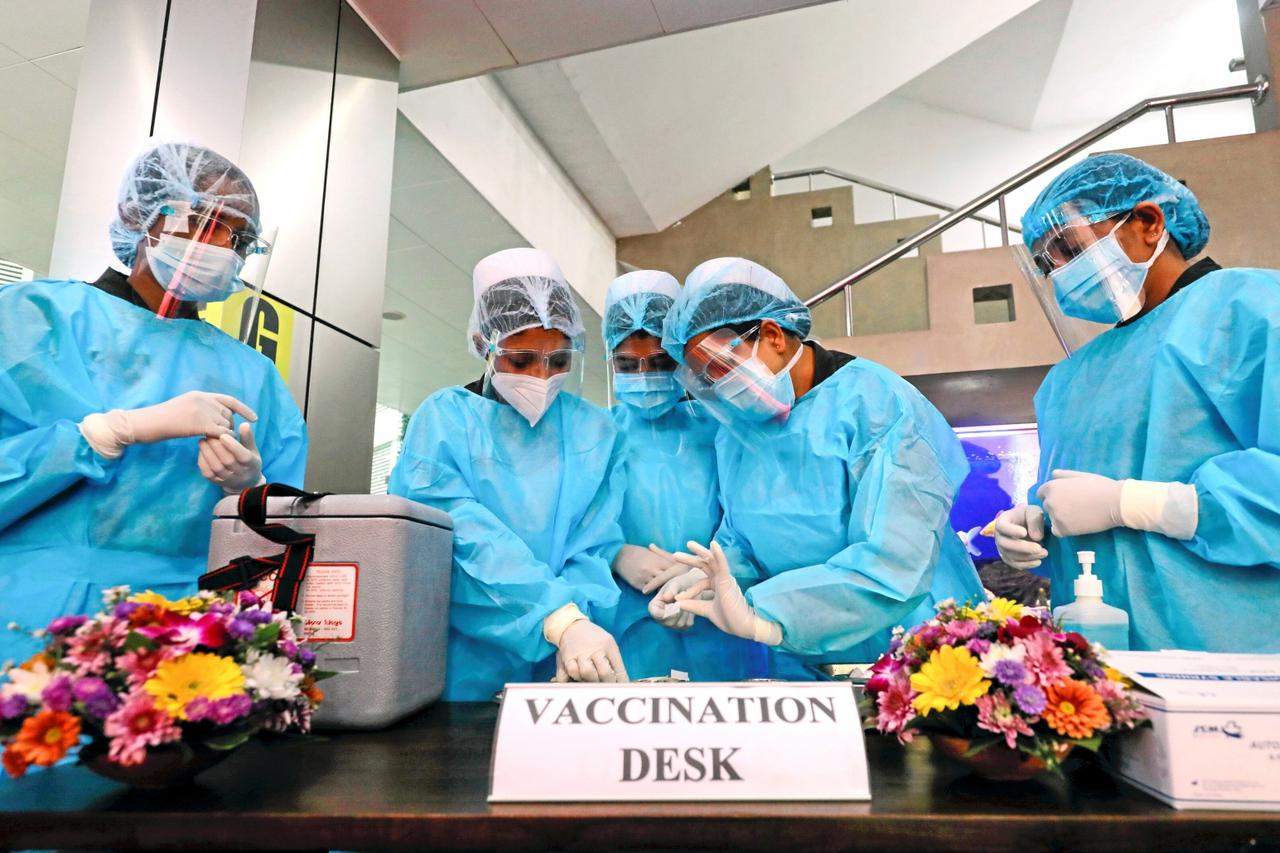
<point x="716" y="355"/>
<point x="654" y="362"/>
<point x="1064" y="243"/>
<point x="216" y="232"/>
<point x="530" y="360"/>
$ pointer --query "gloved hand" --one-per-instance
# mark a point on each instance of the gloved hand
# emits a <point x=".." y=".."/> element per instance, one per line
<point x="587" y="652"/>
<point x="233" y="465"/>
<point x="729" y="610"/>
<point x="640" y="567"/>
<point x="659" y="604"/>
<point x="195" y="413"/>
<point x="1019" y="533"/>
<point x="1079" y="503"/>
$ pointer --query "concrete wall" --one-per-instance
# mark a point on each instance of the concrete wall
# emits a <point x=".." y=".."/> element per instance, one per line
<point x="777" y="231"/>
<point x="1237" y="180"/>
<point x="954" y="341"/>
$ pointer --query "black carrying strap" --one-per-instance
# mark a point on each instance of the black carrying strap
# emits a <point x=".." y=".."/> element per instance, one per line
<point x="291" y="564"/>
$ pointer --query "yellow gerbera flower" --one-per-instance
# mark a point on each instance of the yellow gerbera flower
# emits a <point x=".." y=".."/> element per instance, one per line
<point x="951" y="678"/>
<point x="183" y="606"/>
<point x="176" y="682"/>
<point x="1002" y="610"/>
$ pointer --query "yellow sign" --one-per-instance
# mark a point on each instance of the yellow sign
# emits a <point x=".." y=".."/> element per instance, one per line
<point x="270" y="329"/>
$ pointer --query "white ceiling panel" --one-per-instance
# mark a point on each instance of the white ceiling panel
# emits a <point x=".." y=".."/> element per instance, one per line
<point x="37" y="108"/>
<point x="36" y="28"/>
<point x="677" y="15"/>
<point x="553" y="28"/>
<point x="9" y="57"/>
<point x="436" y="40"/>
<point x="65" y="66"/>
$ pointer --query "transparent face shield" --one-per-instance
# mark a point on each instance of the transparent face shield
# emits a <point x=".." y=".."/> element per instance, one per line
<point x="530" y="375"/>
<point x="642" y="377"/>
<point x="1079" y="276"/>
<point x="200" y="253"/>
<point x="723" y="373"/>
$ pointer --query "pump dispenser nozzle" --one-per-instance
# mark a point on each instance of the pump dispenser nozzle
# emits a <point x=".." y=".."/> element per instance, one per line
<point x="1087" y="584"/>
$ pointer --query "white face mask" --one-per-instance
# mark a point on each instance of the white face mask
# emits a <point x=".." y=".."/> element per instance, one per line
<point x="529" y="395"/>
<point x="194" y="272"/>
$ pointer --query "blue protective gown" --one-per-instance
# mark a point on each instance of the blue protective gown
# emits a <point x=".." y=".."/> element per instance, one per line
<point x="535" y="526"/>
<point x="72" y="523"/>
<point x="672" y="497"/>
<point x="837" y="523"/>
<point x="1188" y="393"/>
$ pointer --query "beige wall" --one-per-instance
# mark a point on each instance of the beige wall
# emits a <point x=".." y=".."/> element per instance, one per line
<point x="776" y="231"/>
<point x="955" y="342"/>
<point x="1237" y="180"/>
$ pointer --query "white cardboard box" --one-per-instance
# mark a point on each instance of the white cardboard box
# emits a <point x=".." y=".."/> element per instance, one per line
<point x="1215" y="736"/>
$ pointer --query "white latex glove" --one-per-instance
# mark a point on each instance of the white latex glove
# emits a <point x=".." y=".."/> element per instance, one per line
<point x="1079" y="503"/>
<point x="1019" y="535"/>
<point x="195" y="413"/>
<point x="233" y="465"/>
<point x="661" y="606"/>
<point x="729" y="610"/>
<point x="641" y="567"/>
<point x="587" y="652"/>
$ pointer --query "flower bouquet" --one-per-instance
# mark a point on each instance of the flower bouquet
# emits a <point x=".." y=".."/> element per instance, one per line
<point x="161" y="689"/>
<point x="1000" y="687"/>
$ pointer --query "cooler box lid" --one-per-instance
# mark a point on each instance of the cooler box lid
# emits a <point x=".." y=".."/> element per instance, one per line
<point x="343" y="506"/>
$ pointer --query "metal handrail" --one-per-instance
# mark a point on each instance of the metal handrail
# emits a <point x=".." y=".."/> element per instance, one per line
<point x="1256" y="90"/>
<point x="893" y="192"/>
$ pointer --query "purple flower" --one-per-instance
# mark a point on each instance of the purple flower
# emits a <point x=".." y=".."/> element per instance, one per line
<point x="221" y="608"/>
<point x="307" y="656"/>
<point x="1011" y="671"/>
<point x="241" y="629"/>
<point x="125" y="609"/>
<point x="97" y="697"/>
<point x="978" y="647"/>
<point x="199" y="709"/>
<point x="1030" y="699"/>
<point x="289" y="648"/>
<point x="230" y="709"/>
<point x="962" y="629"/>
<point x="13" y="706"/>
<point x="256" y="617"/>
<point x="66" y="624"/>
<point x="1093" y="670"/>
<point x="57" y="694"/>
<point x="248" y="599"/>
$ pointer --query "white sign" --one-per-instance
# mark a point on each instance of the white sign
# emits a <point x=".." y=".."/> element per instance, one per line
<point x="616" y="742"/>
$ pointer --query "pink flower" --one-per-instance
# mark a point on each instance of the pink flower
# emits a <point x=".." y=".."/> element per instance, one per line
<point x="89" y="649"/>
<point x="1125" y="709"/>
<point x="895" y="709"/>
<point x="137" y="725"/>
<point x="883" y="670"/>
<point x="188" y="632"/>
<point x="139" y="665"/>
<point x="996" y="715"/>
<point x="978" y="646"/>
<point x="1044" y="659"/>
<point x="962" y="629"/>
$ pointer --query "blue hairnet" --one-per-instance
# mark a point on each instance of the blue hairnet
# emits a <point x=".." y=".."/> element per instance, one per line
<point x="637" y="302"/>
<point x="519" y="289"/>
<point x="725" y="291"/>
<point x="176" y="172"/>
<point x="1102" y="186"/>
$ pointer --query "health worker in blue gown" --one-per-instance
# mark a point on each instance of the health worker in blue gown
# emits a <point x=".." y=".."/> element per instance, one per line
<point x="1160" y="437"/>
<point x="526" y="468"/>
<point x="836" y="479"/>
<point x="668" y="454"/>
<point x="123" y="416"/>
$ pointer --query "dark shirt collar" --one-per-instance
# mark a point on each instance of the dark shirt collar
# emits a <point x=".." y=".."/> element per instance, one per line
<point x="826" y="362"/>
<point x="117" y="284"/>
<point x="1190" y="275"/>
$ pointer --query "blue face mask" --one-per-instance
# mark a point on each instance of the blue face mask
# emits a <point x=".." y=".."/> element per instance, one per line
<point x="651" y="394"/>
<point x="195" y="272"/>
<point x="756" y="393"/>
<point x="1102" y="284"/>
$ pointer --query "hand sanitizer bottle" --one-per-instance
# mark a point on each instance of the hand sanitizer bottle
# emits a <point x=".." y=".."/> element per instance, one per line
<point x="1088" y="615"/>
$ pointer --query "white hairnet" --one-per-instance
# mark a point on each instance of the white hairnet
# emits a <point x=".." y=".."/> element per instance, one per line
<point x="519" y="289"/>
